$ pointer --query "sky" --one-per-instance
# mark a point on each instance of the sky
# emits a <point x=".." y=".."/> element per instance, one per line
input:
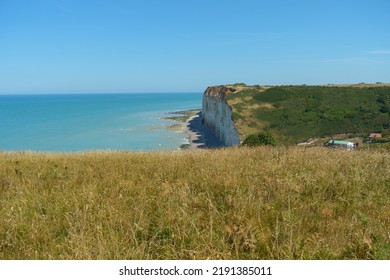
<point x="81" y="46"/>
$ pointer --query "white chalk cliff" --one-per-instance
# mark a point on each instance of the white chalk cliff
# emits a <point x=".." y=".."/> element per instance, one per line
<point x="217" y="115"/>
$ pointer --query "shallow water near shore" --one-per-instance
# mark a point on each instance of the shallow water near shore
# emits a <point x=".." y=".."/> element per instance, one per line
<point x="80" y="122"/>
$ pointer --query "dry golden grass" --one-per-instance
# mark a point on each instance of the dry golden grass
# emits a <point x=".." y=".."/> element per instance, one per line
<point x="241" y="203"/>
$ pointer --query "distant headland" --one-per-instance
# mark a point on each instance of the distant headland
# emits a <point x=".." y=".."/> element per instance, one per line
<point x="295" y="114"/>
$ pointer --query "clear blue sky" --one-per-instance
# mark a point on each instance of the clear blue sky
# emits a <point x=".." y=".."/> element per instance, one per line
<point x="187" y="45"/>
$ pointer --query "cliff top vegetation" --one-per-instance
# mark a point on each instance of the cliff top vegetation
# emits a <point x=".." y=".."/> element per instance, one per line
<point x="296" y="113"/>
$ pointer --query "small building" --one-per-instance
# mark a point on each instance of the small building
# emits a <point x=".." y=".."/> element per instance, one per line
<point x="375" y="136"/>
<point x="342" y="144"/>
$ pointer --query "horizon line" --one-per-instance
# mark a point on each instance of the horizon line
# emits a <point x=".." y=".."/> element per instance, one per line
<point x="101" y="92"/>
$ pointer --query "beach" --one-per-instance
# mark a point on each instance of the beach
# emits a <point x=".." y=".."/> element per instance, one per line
<point x="199" y="136"/>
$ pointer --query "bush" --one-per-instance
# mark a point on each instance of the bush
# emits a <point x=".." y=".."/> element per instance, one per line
<point x="260" y="139"/>
<point x="381" y="140"/>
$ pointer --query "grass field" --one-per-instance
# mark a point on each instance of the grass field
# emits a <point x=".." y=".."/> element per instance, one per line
<point x="239" y="203"/>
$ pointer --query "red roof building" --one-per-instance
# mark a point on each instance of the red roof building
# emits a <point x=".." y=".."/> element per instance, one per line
<point x="375" y="135"/>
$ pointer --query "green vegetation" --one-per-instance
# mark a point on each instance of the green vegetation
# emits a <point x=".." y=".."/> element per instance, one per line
<point x="238" y="203"/>
<point x="297" y="113"/>
<point x="260" y="139"/>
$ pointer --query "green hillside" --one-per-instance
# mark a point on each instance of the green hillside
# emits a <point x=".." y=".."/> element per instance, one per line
<point x="297" y="113"/>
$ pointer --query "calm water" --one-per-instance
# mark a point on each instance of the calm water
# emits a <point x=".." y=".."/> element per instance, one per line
<point x="92" y="121"/>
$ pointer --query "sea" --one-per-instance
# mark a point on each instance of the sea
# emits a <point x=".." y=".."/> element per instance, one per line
<point x="90" y="122"/>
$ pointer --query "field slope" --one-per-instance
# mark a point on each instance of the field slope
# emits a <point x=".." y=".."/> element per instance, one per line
<point x="239" y="203"/>
<point x="296" y="113"/>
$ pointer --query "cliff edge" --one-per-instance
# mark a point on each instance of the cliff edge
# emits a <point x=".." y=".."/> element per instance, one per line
<point x="217" y="115"/>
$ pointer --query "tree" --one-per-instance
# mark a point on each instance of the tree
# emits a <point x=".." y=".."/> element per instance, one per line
<point x="260" y="139"/>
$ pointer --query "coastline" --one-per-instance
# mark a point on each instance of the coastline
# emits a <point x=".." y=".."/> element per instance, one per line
<point x="199" y="136"/>
<point x="195" y="138"/>
<point x="67" y="123"/>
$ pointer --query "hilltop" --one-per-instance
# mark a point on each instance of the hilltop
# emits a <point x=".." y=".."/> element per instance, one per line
<point x="297" y="113"/>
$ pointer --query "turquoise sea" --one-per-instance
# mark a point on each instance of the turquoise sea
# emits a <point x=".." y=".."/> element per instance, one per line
<point x="81" y="122"/>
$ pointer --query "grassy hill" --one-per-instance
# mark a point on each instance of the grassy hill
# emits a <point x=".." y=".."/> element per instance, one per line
<point x="296" y="113"/>
<point x="237" y="203"/>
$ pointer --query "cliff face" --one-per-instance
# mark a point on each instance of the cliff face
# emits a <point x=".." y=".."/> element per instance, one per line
<point x="217" y="115"/>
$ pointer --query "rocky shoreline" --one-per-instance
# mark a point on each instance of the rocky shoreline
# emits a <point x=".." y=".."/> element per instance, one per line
<point x="199" y="136"/>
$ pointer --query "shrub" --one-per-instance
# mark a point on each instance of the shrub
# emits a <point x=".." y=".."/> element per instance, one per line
<point x="239" y="84"/>
<point x="260" y="139"/>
